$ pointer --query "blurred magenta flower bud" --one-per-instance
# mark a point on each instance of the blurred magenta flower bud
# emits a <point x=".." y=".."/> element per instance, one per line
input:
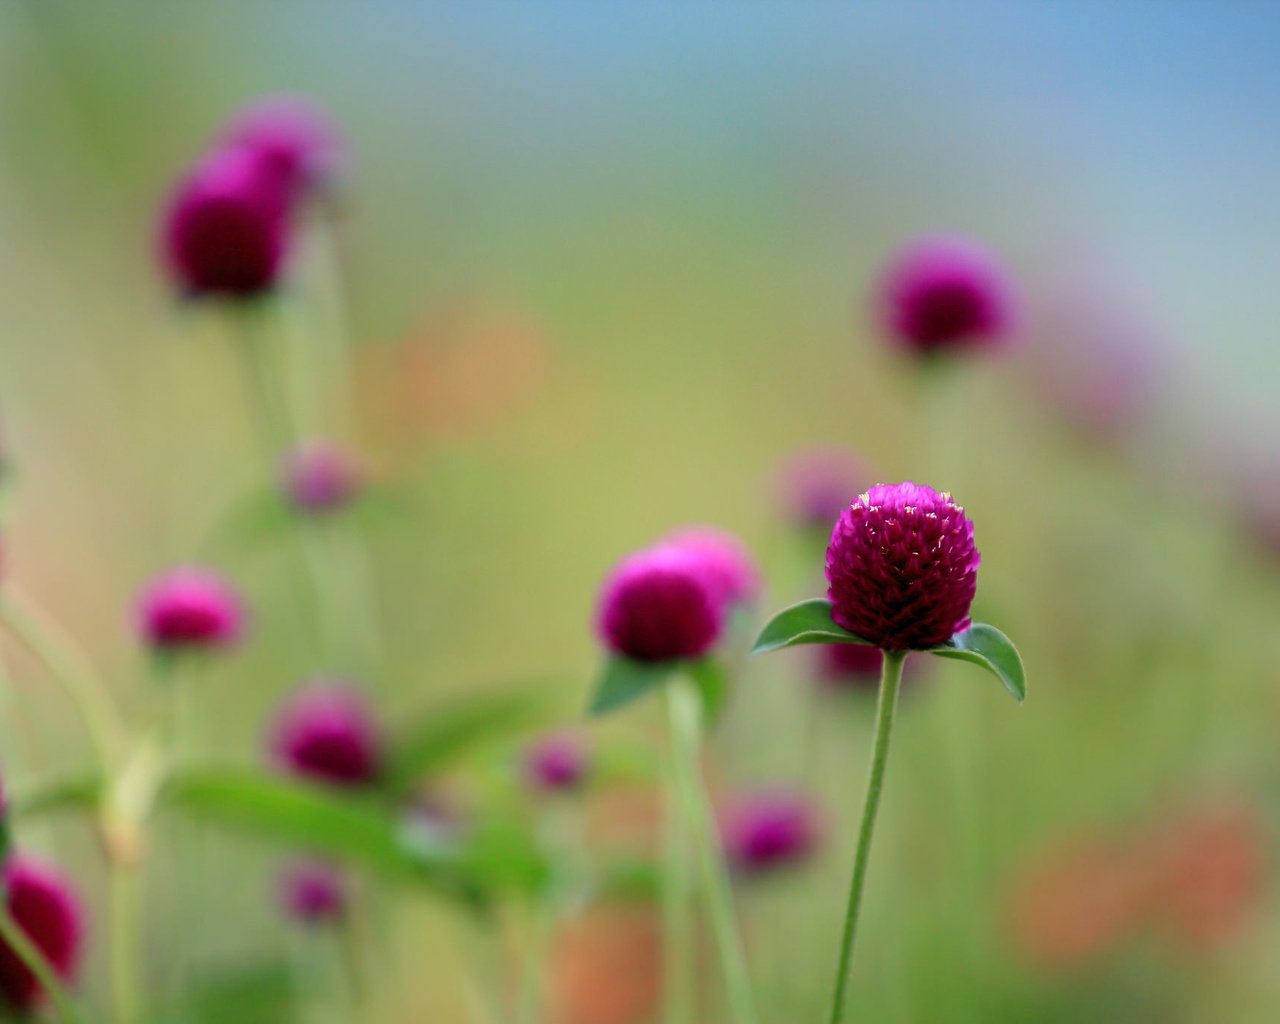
<point x="327" y="732"/>
<point x="902" y="567"/>
<point x="312" y="891"/>
<point x="769" y="830"/>
<point x="942" y="292"/>
<point x="818" y="484"/>
<point x="728" y="565"/>
<point x="294" y="140"/>
<point x="853" y="666"/>
<point x="190" y="608"/>
<point x="320" y="476"/>
<point x="48" y="909"/>
<point x="657" y="605"/>
<point x="225" y="230"/>
<point x="556" y="762"/>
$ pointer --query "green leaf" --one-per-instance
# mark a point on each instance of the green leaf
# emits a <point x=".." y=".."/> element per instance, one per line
<point x="808" y="622"/>
<point x="624" y="680"/>
<point x="986" y="646"/>
<point x="360" y="831"/>
<point x="79" y="793"/>
<point x="295" y="814"/>
<point x="442" y="735"/>
<point x="709" y="677"/>
<point x="263" y="993"/>
<point x="627" y="879"/>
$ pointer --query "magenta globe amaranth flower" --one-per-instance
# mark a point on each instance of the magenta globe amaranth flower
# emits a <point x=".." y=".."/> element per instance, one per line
<point x="557" y="762"/>
<point x="294" y="140"/>
<point x="47" y="908"/>
<point x="327" y="732"/>
<point x="728" y="566"/>
<point x="190" y="608"/>
<point x="902" y="567"/>
<point x="769" y="830"/>
<point x="658" y="605"/>
<point x="943" y="292"/>
<point x="320" y="476"/>
<point x="312" y="891"/>
<point x="225" y="231"/>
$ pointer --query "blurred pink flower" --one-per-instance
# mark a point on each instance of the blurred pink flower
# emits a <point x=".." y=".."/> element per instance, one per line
<point x="320" y="476"/>
<point x="657" y="605"/>
<point x="49" y="910"/>
<point x="292" y="138"/>
<point x="768" y="830"/>
<point x="817" y="484"/>
<point x="190" y="608"/>
<point x="557" y="762"/>
<point x="942" y="292"/>
<point x="728" y="565"/>
<point x="312" y="891"/>
<point x="327" y="732"/>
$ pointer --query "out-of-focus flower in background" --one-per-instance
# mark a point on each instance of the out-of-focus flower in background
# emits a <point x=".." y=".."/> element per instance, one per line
<point x="320" y="476"/>
<point x="944" y="293"/>
<point x="327" y="731"/>
<point x="294" y="140"/>
<point x="729" y="568"/>
<point x="658" y="605"/>
<point x="46" y="906"/>
<point x="190" y="608"/>
<point x="769" y="829"/>
<point x="312" y="891"/>
<point x="557" y="762"/>
<point x="814" y="485"/>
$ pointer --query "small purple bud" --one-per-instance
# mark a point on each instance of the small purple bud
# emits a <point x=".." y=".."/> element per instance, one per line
<point x="556" y="762"/>
<point x="320" y="476"/>
<point x="857" y="667"/>
<point x="902" y="567"/>
<point x="728" y="565"/>
<point x="769" y="830"/>
<point x="312" y="891"/>
<point x="190" y="608"/>
<point x="818" y="484"/>
<point x="327" y="732"/>
<point x="942" y="293"/>
<point x="47" y="907"/>
<point x="657" y="605"/>
<point x="225" y="230"/>
<point x="295" y="141"/>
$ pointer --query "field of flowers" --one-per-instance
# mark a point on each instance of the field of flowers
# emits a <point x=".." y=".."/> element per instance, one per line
<point x="555" y="517"/>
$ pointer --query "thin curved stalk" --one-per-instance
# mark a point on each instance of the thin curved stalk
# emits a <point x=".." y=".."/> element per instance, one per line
<point x="36" y="962"/>
<point x="890" y="680"/>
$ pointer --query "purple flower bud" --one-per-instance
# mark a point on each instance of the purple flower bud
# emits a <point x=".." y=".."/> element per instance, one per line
<point x="902" y="567"/>
<point x="47" y="907"/>
<point x="327" y="732"/>
<point x="769" y="830"/>
<point x="312" y="891"/>
<point x="190" y="608"/>
<point x="225" y="230"/>
<point x="296" y="142"/>
<point x="942" y="292"/>
<point x="657" y="605"/>
<point x="558" y="761"/>
<point x="319" y="476"/>
<point x="728" y="565"/>
<point x="817" y="485"/>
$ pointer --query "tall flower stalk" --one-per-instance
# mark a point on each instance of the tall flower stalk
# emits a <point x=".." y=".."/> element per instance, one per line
<point x="902" y="573"/>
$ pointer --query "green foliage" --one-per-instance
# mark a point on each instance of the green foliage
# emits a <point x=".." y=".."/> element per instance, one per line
<point x="623" y="680"/>
<point x="808" y="622"/>
<point x="986" y="646"/>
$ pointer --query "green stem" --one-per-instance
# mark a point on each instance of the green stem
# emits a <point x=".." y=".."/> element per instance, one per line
<point x="685" y="712"/>
<point x="36" y="962"/>
<point x="41" y="635"/>
<point x="125" y="940"/>
<point x="890" y="679"/>
<point x="677" y="924"/>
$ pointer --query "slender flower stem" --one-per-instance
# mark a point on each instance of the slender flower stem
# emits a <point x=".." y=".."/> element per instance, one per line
<point x="45" y="639"/>
<point x="677" y="922"/>
<point x="125" y="941"/>
<point x="890" y="679"/>
<point x="36" y="962"/>
<point x="684" y="707"/>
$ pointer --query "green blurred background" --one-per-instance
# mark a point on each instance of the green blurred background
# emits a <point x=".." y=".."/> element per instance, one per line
<point x="626" y="254"/>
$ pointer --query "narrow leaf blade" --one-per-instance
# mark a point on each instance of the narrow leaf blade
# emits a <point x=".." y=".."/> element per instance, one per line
<point x="986" y="646"/>
<point x="623" y="680"/>
<point x="808" y="622"/>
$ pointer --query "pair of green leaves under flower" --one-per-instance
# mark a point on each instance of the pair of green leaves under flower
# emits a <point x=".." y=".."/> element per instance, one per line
<point x="809" y="622"/>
